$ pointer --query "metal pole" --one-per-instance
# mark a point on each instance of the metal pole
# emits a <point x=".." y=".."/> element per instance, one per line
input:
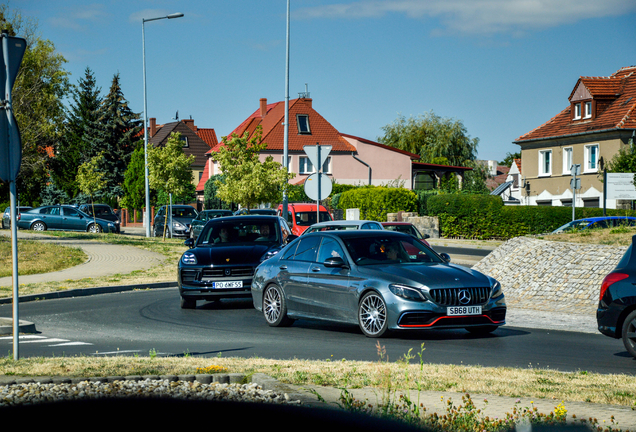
<point x="318" y="169"/>
<point x="286" y="128"/>
<point x="12" y="201"/>
<point x="146" y="183"/>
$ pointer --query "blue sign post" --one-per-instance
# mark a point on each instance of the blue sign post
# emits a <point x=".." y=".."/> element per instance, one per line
<point x="13" y="49"/>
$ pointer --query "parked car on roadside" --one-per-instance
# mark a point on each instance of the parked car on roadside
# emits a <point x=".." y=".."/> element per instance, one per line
<point x="182" y="216"/>
<point x="64" y="218"/>
<point x="344" y="225"/>
<point x="220" y="263"/>
<point x="407" y="228"/>
<point x="616" y="313"/>
<point x="6" y="216"/>
<point x="102" y="211"/>
<point x="597" y="222"/>
<point x="197" y="224"/>
<point x="379" y="280"/>
<point x="300" y="216"/>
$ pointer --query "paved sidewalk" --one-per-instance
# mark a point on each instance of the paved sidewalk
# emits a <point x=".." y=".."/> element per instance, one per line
<point x="103" y="259"/>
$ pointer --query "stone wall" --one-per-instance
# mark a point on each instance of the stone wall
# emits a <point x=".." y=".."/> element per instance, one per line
<point x="424" y="224"/>
<point x="547" y="275"/>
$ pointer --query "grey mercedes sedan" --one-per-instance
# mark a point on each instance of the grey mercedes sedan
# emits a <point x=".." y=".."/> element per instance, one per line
<point x="380" y="280"/>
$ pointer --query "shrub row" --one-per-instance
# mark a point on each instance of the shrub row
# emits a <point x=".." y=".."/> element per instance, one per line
<point x="485" y="216"/>
<point x="375" y="202"/>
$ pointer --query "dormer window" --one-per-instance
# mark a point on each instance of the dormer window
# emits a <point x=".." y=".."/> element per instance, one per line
<point x="577" y="111"/>
<point x="302" y="120"/>
<point x="588" y="110"/>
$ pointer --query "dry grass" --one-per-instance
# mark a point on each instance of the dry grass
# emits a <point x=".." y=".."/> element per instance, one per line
<point x="539" y="383"/>
<point x="165" y="272"/>
<point x="38" y="257"/>
<point x="620" y="236"/>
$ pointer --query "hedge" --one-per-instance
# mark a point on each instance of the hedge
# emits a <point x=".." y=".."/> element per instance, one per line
<point x="375" y="202"/>
<point x="485" y="216"/>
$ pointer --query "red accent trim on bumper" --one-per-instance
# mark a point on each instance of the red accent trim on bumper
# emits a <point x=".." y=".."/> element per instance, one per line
<point x="451" y="317"/>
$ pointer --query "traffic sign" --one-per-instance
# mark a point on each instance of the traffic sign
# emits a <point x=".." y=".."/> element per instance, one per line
<point x="318" y="186"/>
<point x="10" y="148"/>
<point x="317" y="154"/>
<point x="15" y="49"/>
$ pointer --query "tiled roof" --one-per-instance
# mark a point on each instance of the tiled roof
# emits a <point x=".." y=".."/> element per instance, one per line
<point x="615" y="103"/>
<point x="322" y="132"/>
<point x="204" y="177"/>
<point x="208" y="135"/>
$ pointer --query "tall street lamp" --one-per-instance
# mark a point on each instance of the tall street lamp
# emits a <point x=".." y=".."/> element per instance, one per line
<point x="147" y="186"/>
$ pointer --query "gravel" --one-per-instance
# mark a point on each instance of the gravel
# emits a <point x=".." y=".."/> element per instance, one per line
<point x="35" y="392"/>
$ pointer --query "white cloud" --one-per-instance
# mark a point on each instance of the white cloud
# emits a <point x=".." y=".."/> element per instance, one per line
<point x="79" y="18"/>
<point x="477" y="16"/>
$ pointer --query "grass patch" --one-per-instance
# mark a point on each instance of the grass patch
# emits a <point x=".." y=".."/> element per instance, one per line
<point x="36" y="257"/>
<point x="619" y="236"/>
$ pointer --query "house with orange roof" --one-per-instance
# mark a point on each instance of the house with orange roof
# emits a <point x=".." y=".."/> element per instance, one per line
<point x="352" y="160"/>
<point x="196" y="141"/>
<point x="598" y="121"/>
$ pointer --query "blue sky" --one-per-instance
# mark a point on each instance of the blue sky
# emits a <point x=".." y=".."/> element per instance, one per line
<point x="502" y="67"/>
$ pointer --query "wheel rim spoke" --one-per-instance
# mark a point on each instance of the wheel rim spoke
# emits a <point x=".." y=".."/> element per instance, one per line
<point x="272" y="305"/>
<point x="373" y="314"/>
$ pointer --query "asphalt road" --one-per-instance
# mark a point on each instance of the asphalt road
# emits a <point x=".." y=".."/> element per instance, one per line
<point x="141" y="321"/>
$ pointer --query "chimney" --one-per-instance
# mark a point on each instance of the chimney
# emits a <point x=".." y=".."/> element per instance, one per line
<point x="308" y="102"/>
<point x="263" y="107"/>
<point x="153" y="127"/>
<point x="190" y="123"/>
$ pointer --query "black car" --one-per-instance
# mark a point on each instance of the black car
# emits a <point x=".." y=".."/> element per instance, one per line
<point x="102" y="211"/>
<point x="379" y="280"/>
<point x="6" y="216"/>
<point x="182" y="216"/>
<point x="221" y="261"/>
<point x="258" y="211"/>
<point x="616" y="313"/>
<point x="197" y="224"/>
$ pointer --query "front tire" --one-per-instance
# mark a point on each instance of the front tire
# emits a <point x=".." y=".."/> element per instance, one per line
<point x="94" y="228"/>
<point x="275" y="307"/>
<point x="629" y="333"/>
<point x="372" y="315"/>
<point x="38" y="226"/>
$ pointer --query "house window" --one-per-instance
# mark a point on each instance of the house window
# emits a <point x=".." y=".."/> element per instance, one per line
<point x="289" y="162"/>
<point x="577" y="111"/>
<point x="588" y="110"/>
<point x="184" y="141"/>
<point x="545" y="162"/>
<point x="591" y="158"/>
<point x="567" y="160"/>
<point x="304" y="165"/>
<point x="302" y="120"/>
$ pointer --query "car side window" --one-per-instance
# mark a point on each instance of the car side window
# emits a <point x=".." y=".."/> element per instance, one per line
<point x="330" y="248"/>
<point x="307" y="249"/>
<point x="70" y="212"/>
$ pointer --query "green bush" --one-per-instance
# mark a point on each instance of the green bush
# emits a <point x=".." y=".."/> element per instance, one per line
<point x="485" y="216"/>
<point x="375" y="202"/>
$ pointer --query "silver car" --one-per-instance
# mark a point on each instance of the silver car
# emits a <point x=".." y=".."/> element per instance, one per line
<point x="344" y="225"/>
<point x="6" y="216"/>
<point x="379" y="280"/>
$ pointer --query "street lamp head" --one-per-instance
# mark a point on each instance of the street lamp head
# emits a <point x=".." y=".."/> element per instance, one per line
<point x="175" y="15"/>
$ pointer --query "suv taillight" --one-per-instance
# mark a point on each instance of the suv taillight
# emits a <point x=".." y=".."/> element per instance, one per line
<point x="610" y="279"/>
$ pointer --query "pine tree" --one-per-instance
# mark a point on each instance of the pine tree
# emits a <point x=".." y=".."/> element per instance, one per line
<point x="73" y="150"/>
<point x="114" y="135"/>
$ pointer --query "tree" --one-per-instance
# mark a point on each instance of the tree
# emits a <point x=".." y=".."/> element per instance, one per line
<point x="135" y="180"/>
<point x="248" y="181"/>
<point x="210" y="198"/>
<point x="624" y="161"/>
<point x="91" y="179"/>
<point x="431" y="136"/>
<point x="114" y="134"/>
<point x="169" y="169"/>
<point x="509" y="159"/>
<point x="40" y="86"/>
<point x="72" y="149"/>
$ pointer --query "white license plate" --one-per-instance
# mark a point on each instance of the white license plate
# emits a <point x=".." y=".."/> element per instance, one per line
<point x="220" y="285"/>
<point x="463" y="310"/>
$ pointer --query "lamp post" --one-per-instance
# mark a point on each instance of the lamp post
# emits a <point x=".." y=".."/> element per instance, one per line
<point x="147" y="186"/>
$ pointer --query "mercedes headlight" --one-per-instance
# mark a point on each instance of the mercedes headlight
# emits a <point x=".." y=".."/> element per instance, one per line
<point x="406" y="292"/>
<point x="496" y="290"/>
<point x="189" y="258"/>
